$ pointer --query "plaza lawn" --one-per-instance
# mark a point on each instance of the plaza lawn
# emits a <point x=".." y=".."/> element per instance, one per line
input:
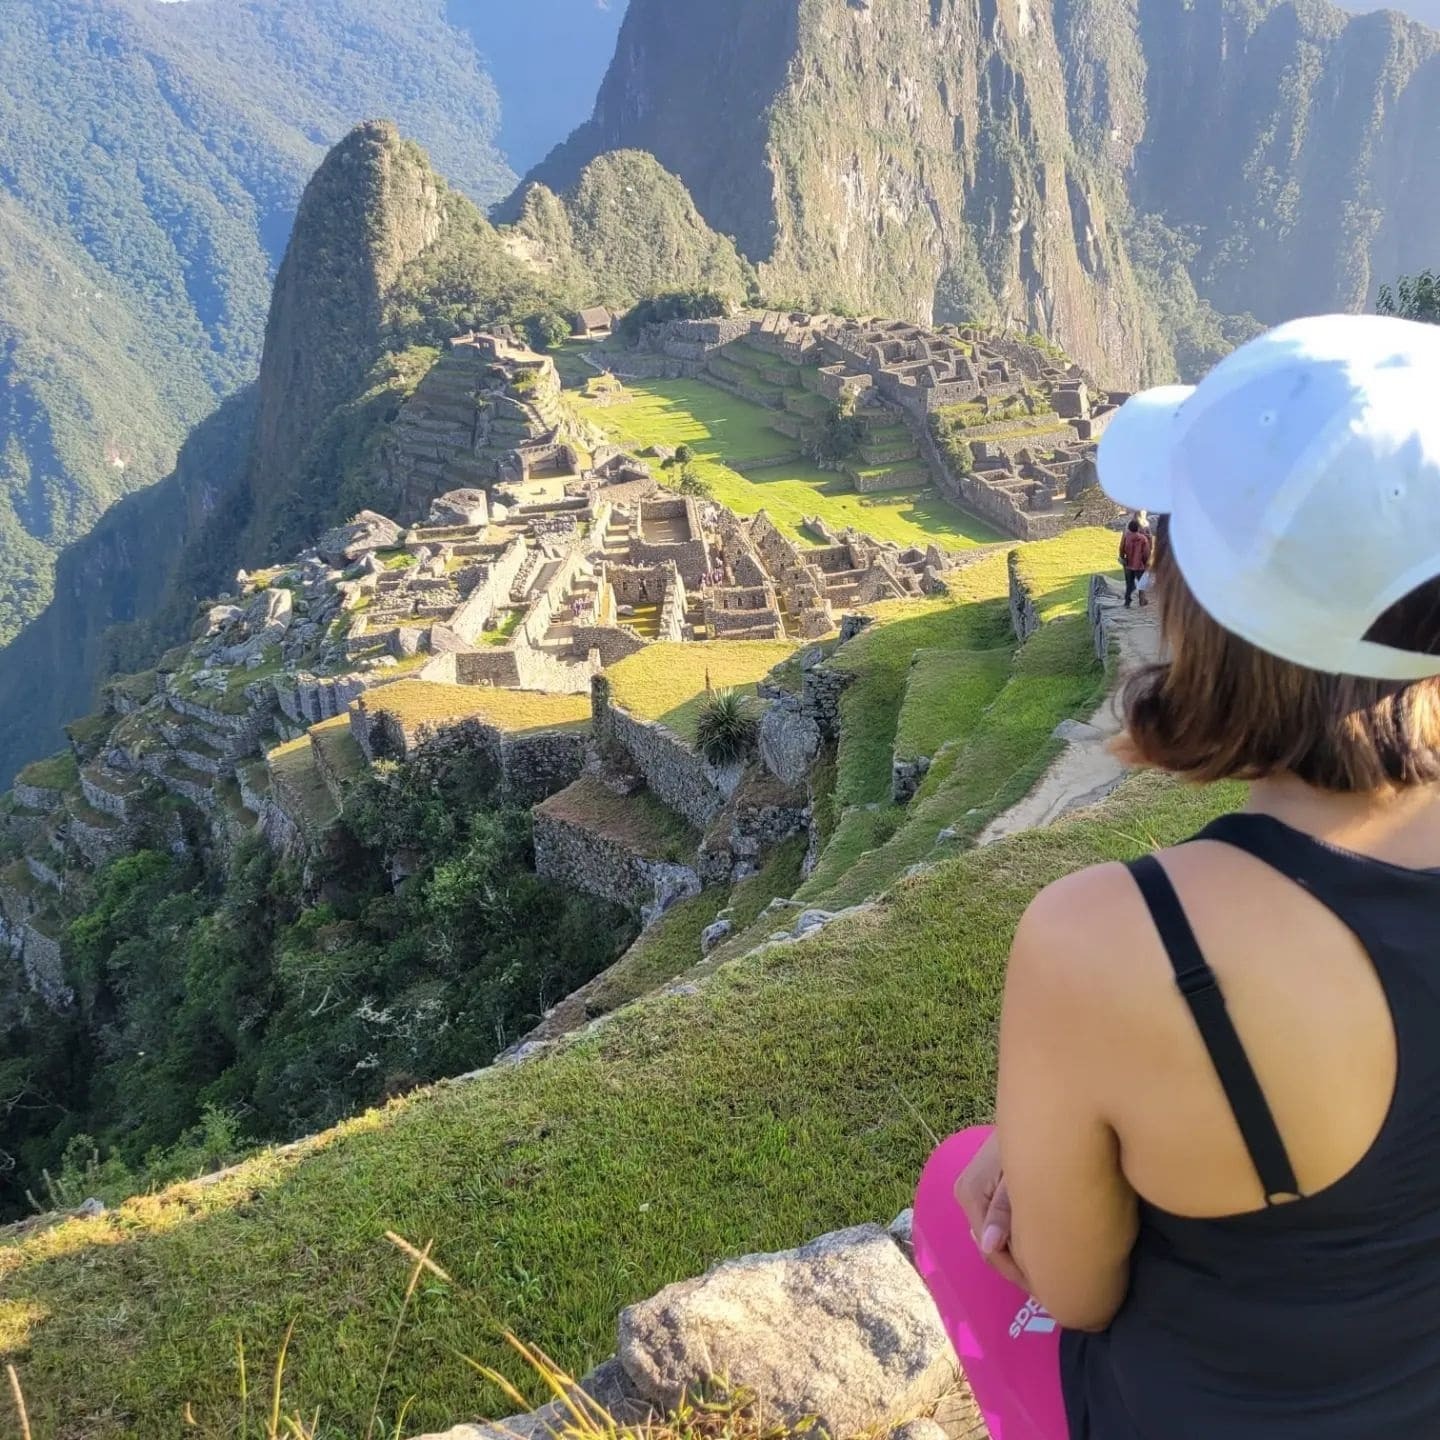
<point x="414" y="703"/>
<point x="729" y="436"/>
<point x="666" y="682"/>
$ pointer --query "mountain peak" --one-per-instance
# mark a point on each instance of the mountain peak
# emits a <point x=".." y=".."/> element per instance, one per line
<point x="374" y="205"/>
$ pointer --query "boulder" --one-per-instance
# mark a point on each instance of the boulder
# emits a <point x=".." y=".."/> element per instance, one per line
<point x="842" y="1329"/>
<point x="367" y="531"/>
<point x="712" y="935"/>
<point x="789" y="742"/>
<point x="221" y="617"/>
<point x="460" y="507"/>
<point x="811" y="920"/>
<point x="370" y="565"/>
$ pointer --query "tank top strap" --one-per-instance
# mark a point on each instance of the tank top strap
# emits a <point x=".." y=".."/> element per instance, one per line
<point x="1199" y="985"/>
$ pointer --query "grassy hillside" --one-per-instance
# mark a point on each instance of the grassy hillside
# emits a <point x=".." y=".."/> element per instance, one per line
<point x="559" y="1191"/>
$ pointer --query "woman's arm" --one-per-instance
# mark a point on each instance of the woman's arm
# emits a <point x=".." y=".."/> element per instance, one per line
<point x="1074" y="1215"/>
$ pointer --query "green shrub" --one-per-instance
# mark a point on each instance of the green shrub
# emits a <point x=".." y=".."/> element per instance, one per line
<point x="726" y="728"/>
<point x="546" y="329"/>
<point x="673" y="305"/>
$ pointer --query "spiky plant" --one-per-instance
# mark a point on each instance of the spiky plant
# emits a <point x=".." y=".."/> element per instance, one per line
<point x="726" y="728"/>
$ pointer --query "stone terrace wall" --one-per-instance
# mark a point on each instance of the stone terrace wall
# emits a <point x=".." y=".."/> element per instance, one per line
<point x="681" y="778"/>
<point x="528" y="768"/>
<point x="572" y="855"/>
<point x="1024" y="616"/>
<point x="611" y="642"/>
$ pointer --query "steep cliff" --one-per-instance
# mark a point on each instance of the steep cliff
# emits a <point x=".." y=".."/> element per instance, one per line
<point x="1074" y="166"/>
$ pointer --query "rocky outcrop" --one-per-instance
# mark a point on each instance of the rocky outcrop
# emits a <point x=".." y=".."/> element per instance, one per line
<point x="841" y="1332"/>
<point x="842" y="1329"/>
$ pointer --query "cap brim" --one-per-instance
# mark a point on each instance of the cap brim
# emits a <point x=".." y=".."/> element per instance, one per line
<point x="1135" y="460"/>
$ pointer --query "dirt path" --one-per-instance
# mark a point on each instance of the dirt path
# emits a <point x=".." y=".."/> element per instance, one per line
<point x="1085" y="772"/>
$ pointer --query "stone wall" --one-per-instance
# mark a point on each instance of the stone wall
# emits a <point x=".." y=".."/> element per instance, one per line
<point x="243" y="731"/>
<point x="1024" y="616"/>
<point x="307" y="699"/>
<point x="528" y="768"/>
<point x="108" y="802"/>
<point x="672" y="610"/>
<point x="99" y="844"/>
<point x="685" y="781"/>
<point x="38" y="797"/>
<point x="611" y="642"/>
<point x="44" y="965"/>
<point x="694" y="340"/>
<point x="572" y="855"/>
<point x="691" y="557"/>
<point x="464" y="627"/>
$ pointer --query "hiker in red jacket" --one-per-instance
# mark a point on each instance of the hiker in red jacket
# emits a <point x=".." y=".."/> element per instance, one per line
<point x="1135" y="557"/>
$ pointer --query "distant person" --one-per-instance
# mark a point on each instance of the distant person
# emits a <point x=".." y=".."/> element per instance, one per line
<point x="1217" y="1159"/>
<point x="1136" y="548"/>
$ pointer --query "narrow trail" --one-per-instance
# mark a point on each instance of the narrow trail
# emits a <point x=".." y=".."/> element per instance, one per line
<point x="1085" y="772"/>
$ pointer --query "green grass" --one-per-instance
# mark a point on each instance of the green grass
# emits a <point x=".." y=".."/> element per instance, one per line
<point x="339" y="748"/>
<point x="984" y="772"/>
<point x="557" y="1192"/>
<point x="728" y="435"/>
<point x="946" y="692"/>
<point x="1057" y="573"/>
<point x="666" y="682"/>
<point x="293" y="766"/>
<point x="509" y="623"/>
<point x="58" y="772"/>
<point x="420" y="702"/>
<point x="880" y="658"/>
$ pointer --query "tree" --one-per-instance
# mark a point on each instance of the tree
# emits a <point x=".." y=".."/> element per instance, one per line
<point x="1415" y="297"/>
<point x="841" y="435"/>
<point x="546" y="329"/>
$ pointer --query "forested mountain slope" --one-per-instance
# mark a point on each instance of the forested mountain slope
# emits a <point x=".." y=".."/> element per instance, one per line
<point x="1072" y="165"/>
<point x="151" y="157"/>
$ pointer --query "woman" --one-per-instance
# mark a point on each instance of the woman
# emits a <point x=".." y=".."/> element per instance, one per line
<point x="1217" y="1160"/>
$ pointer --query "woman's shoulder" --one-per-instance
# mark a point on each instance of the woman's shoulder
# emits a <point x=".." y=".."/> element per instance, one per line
<point x="1089" y="935"/>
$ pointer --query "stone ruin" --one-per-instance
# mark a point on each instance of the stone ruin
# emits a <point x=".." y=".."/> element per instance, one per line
<point x="1032" y="419"/>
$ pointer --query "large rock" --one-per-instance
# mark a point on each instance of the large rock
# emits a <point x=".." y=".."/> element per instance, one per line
<point x="461" y="507"/>
<point x="789" y="742"/>
<point x="367" y="531"/>
<point x="842" y="1329"/>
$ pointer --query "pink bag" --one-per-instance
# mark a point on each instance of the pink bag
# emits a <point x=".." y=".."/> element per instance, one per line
<point x="1009" y="1347"/>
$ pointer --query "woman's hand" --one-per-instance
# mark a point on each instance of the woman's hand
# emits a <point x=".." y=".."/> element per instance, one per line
<point x="984" y="1198"/>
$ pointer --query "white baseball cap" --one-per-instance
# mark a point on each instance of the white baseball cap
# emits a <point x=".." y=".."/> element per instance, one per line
<point x="1302" y="481"/>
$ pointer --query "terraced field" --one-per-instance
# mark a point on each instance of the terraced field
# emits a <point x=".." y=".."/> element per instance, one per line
<point x="732" y="439"/>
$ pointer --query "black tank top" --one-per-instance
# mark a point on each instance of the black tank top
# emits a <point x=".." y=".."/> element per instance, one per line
<point x="1316" y="1320"/>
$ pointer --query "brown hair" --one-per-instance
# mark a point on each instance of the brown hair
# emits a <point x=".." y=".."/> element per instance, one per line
<point x="1222" y="709"/>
